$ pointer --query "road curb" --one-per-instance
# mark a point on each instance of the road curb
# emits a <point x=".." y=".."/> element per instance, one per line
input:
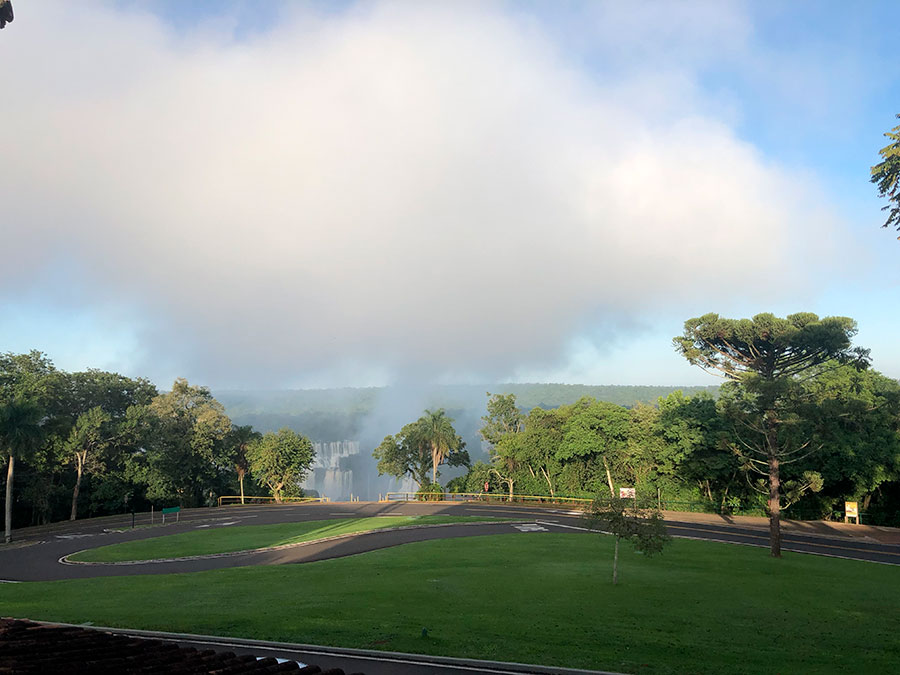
<point x="477" y="665"/>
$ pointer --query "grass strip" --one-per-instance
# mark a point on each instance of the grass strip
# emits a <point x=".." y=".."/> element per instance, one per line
<point x="249" y="537"/>
<point x="547" y="598"/>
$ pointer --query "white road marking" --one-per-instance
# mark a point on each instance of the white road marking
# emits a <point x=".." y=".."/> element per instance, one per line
<point x="572" y="527"/>
<point x="739" y="543"/>
<point x="530" y="527"/>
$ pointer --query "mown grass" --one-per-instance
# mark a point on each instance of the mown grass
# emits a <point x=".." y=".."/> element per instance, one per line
<point x="701" y="607"/>
<point x="249" y="537"/>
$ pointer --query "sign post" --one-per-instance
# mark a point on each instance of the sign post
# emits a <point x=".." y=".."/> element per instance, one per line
<point x="172" y="509"/>
<point x="851" y="510"/>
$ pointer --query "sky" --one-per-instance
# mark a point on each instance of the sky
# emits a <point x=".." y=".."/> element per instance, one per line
<point x="270" y="195"/>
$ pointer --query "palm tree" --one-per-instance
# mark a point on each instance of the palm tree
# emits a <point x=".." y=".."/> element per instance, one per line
<point x="238" y="440"/>
<point x="437" y="430"/>
<point x="20" y="431"/>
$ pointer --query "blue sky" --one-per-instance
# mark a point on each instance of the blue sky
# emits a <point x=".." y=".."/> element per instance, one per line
<point x="274" y="194"/>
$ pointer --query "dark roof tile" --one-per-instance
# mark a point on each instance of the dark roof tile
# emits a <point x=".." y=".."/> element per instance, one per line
<point x="28" y="647"/>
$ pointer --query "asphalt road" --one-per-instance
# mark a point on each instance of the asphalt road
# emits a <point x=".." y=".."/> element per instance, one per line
<point x="36" y="554"/>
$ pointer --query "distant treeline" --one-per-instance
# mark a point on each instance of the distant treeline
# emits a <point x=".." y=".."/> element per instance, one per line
<point x="339" y="414"/>
<point x="94" y="443"/>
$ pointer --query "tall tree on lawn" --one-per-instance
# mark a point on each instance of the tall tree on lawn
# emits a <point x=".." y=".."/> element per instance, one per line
<point x="769" y="359"/>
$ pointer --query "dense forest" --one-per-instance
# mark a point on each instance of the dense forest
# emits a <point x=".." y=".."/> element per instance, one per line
<point x="699" y="450"/>
<point x="94" y="443"/>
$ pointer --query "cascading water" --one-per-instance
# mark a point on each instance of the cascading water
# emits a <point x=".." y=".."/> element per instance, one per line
<point x="340" y="471"/>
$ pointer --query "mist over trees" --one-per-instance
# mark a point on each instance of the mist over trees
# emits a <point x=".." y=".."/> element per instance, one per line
<point x="96" y="443"/>
<point x="367" y="414"/>
<point x="327" y="414"/>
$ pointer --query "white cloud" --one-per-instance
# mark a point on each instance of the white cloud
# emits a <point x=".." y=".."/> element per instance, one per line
<point x="408" y="186"/>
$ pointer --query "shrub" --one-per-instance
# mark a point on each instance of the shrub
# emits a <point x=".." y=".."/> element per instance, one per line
<point x="432" y="492"/>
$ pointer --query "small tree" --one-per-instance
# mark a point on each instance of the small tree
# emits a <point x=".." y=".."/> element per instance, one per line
<point x="502" y="428"/>
<point x="280" y="461"/>
<point x="89" y="437"/>
<point x="237" y="441"/>
<point x="622" y="518"/>
<point x="506" y="457"/>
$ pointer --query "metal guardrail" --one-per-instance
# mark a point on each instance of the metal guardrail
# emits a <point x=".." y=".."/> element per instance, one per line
<point x="650" y="501"/>
<point x="479" y="496"/>
<point x="231" y="500"/>
<point x="787" y="513"/>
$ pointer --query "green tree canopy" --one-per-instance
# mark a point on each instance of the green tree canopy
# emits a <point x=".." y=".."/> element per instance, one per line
<point x="693" y="432"/>
<point x="280" y="461"/>
<point x="503" y="417"/>
<point x="29" y="389"/>
<point x="97" y="422"/>
<point x="90" y="435"/>
<point x="436" y="429"/>
<point x="886" y="175"/>
<point x="420" y="447"/>
<point x="856" y="421"/>
<point x="769" y="359"/>
<point x="405" y="454"/>
<point x="502" y="428"/>
<point x="596" y="429"/>
<point x="185" y="450"/>
<point x="20" y="433"/>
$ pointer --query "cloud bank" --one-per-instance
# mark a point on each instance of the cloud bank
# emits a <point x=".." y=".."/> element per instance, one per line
<point x="398" y="188"/>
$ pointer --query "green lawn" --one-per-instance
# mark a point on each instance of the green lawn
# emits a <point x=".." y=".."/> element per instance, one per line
<point x="542" y="598"/>
<point x="249" y="537"/>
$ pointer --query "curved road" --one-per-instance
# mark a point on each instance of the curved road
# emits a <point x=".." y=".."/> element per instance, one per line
<point x="36" y="556"/>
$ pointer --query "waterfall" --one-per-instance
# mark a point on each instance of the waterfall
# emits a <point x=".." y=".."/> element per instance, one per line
<point x="341" y="470"/>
